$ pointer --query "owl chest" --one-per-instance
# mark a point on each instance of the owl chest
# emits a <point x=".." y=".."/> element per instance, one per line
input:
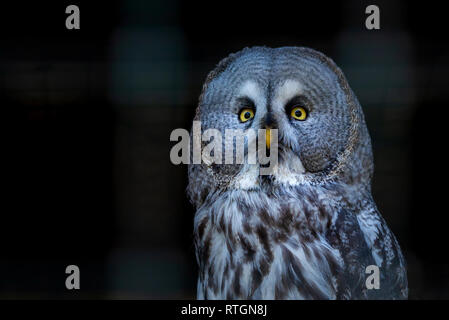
<point x="262" y="262"/>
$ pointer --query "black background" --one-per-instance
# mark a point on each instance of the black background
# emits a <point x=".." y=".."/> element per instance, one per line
<point x="87" y="114"/>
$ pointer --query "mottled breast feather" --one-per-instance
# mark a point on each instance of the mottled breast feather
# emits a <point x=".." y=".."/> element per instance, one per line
<point x="303" y="243"/>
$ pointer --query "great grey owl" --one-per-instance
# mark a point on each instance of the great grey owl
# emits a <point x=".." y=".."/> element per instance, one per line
<point x="310" y="229"/>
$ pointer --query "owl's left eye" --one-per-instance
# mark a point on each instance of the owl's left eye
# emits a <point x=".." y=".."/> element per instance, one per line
<point x="246" y="114"/>
<point x="298" y="113"/>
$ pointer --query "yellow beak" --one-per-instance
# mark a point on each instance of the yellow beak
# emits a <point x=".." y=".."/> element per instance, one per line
<point x="268" y="137"/>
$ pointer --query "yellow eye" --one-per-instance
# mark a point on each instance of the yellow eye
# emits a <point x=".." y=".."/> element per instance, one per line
<point x="246" y="114"/>
<point x="299" y="113"/>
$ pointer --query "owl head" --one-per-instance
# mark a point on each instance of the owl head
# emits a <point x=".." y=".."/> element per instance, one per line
<point x="321" y="132"/>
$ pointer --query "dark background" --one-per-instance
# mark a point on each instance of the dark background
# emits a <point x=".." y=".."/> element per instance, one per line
<point x="86" y="117"/>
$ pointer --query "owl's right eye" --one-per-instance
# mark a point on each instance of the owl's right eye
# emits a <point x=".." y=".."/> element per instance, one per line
<point x="246" y="114"/>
